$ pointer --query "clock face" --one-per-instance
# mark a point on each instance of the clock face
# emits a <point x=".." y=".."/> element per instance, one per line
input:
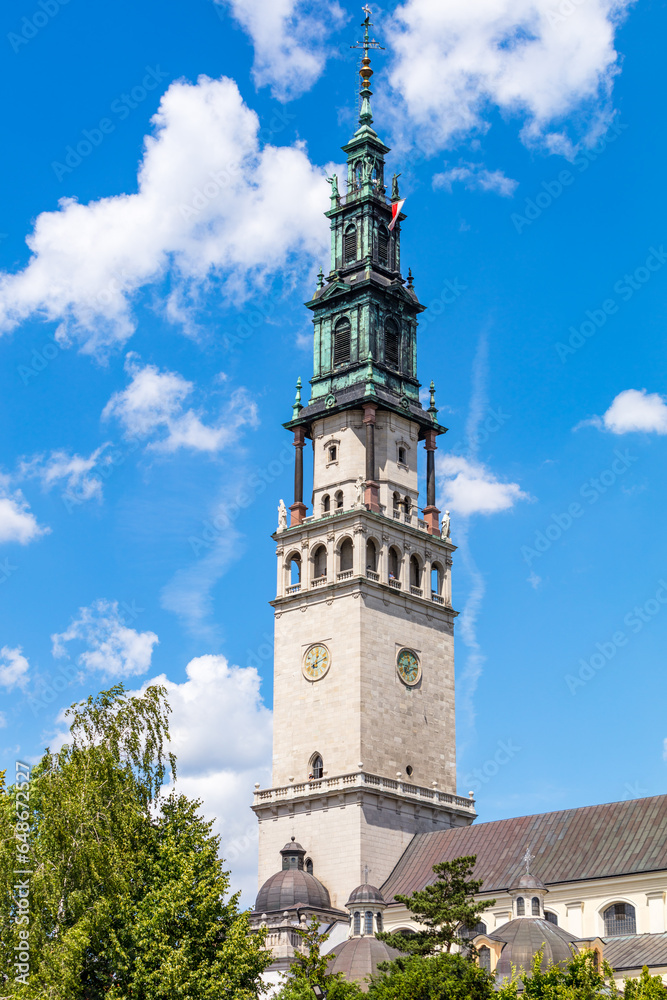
<point x="408" y="668"/>
<point x="316" y="662"/>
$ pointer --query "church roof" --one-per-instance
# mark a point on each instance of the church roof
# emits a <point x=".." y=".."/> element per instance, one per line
<point x="524" y="937"/>
<point x="619" y="838"/>
<point x="357" y="958"/>
<point x="365" y="894"/>
<point x="289" y="887"/>
<point x="632" y="951"/>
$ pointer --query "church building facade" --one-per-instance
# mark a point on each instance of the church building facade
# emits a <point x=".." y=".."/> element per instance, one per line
<point x="363" y="799"/>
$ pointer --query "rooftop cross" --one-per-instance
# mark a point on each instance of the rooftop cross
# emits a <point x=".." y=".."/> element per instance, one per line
<point x="527" y="858"/>
<point x="365" y="116"/>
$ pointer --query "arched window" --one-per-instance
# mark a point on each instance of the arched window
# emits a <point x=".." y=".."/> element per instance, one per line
<point x="378" y="922"/>
<point x="320" y="561"/>
<point x="368" y="922"/>
<point x="346" y="555"/>
<point x="415" y="572"/>
<point x="468" y="933"/>
<point x="339" y="500"/>
<point x="620" y="918"/>
<point x="332" y="453"/>
<point x="402" y="457"/>
<point x="392" y="344"/>
<point x="383" y="246"/>
<point x="551" y="917"/>
<point x="397" y="500"/>
<point x="407" y="505"/>
<point x="485" y="958"/>
<point x="356" y="929"/>
<point x="309" y="866"/>
<point x="436" y="579"/>
<point x="358" y="173"/>
<point x="295" y="570"/>
<point x="535" y="906"/>
<point x="317" y="767"/>
<point x="341" y="347"/>
<point x="350" y="245"/>
<point x="326" y="503"/>
<point x="371" y="556"/>
<point x="520" y="907"/>
<point x="394" y="564"/>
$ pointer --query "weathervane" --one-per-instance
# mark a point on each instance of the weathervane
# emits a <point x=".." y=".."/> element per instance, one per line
<point x="527" y="858"/>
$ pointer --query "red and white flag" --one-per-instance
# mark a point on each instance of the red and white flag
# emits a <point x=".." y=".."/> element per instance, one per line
<point x="395" y="210"/>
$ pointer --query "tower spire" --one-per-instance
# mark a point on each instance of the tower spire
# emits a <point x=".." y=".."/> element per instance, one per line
<point x="368" y="43"/>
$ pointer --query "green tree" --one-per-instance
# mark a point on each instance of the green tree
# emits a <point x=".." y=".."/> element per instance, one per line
<point x="432" y="977"/>
<point x="310" y="968"/>
<point x="583" y="978"/>
<point x="442" y="908"/>
<point x="128" y="897"/>
<point x="647" y="987"/>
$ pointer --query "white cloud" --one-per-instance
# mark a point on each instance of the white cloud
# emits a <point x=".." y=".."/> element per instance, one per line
<point x="468" y="487"/>
<point x="455" y="63"/>
<point x="71" y="470"/>
<point x="13" y="667"/>
<point x="218" y="698"/>
<point x="154" y="404"/>
<point x="112" y="647"/>
<point x="633" y="410"/>
<point x="212" y="203"/>
<point x="476" y="177"/>
<point x="289" y="41"/>
<point x="17" y="522"/>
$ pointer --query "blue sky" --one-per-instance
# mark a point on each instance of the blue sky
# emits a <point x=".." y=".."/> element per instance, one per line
<point x="152" y="330"/>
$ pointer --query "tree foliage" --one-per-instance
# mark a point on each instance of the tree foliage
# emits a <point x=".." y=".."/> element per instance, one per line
<point x="581" y="979"/>
<point x="127" y="897"/>
<point x="442" y="908"/>
<point x="310" y="968"/>
<point x="432" y="977"/>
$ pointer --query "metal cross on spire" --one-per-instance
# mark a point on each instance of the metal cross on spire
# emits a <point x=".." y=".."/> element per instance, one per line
<point x="527" y="858"/>
<point x="368" y="43"/>
<point x="365" y="874"/>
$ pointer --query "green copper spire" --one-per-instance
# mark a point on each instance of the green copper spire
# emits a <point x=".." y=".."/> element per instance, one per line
<point x="297" y="405"/>
<point x="365" y="115"/>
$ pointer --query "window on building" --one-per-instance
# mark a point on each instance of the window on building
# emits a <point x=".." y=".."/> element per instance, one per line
<point x="339" y="500"/>
<point x="326" y="503"/>
<point x="407" y="505"/>
<point x="378" y="922"/>
<point x="358" y="173"/>
<point x="371" y="556"/>
<point x="520" y="906"/>
<point x="394" y="564"/>
<point x="409" y="770"/>
<point x="346" y="555"/>
<point x="368" y="922"/>
<point x="316" y="767"/>
<point x="397" y="500"/>
<point x="341" y="351"/>
<point x="620" y="918"/>
<point x="383" y="246"/>
<point x="392" y="343"/>
<point x="356" y="929"/>
<point x="485" y="958"/>
<point x="332" y="453"/>
<point x="309" y="866"/>
<point x="415" y="572"/>
<point x="320" y="561"/>
<point x="350" y="245"/>
<point x="436" y="579"/>
<point x="468" y="933"/>
<point x="535" y="905"/>
<point x="295" y="570"/>
<point x="402" y="455"/>
<point x="551" y="917"/>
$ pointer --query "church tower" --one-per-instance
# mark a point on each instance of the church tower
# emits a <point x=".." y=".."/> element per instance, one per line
<point x="364" y="742"/>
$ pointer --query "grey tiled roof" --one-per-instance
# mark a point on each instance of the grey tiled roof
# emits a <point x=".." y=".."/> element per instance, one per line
<point x="358" y="958"/>
<point x="619" y="838"/>
<point x="289" y="887"/>
<point x="635" y="950"/>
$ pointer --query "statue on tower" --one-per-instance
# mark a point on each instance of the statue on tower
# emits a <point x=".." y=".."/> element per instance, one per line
<point x="333" y="180"/>
<point x="446" y="525"/>
<point x="282" y="516"/>
<point x="395" y="196"/>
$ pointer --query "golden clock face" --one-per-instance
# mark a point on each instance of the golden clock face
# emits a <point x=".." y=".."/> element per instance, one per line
<point x="408" y="668"/>
<point x="316" y="662"/>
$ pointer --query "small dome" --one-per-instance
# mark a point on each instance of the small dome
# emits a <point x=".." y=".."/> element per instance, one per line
<point x="527" y="883"/>
<point x="524" y="938"/>
<point x="366" y="894"/>
<point x="291" y="887"/>
<point x="293" y="848"/>
<point x="358" y="958"/>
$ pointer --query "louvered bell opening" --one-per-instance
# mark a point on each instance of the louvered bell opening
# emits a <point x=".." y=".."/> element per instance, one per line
<point x="350" y="249"/>
<point x="391" y="346"/>
<point x="342" y="345"/>
<point x="383" y="247"/>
